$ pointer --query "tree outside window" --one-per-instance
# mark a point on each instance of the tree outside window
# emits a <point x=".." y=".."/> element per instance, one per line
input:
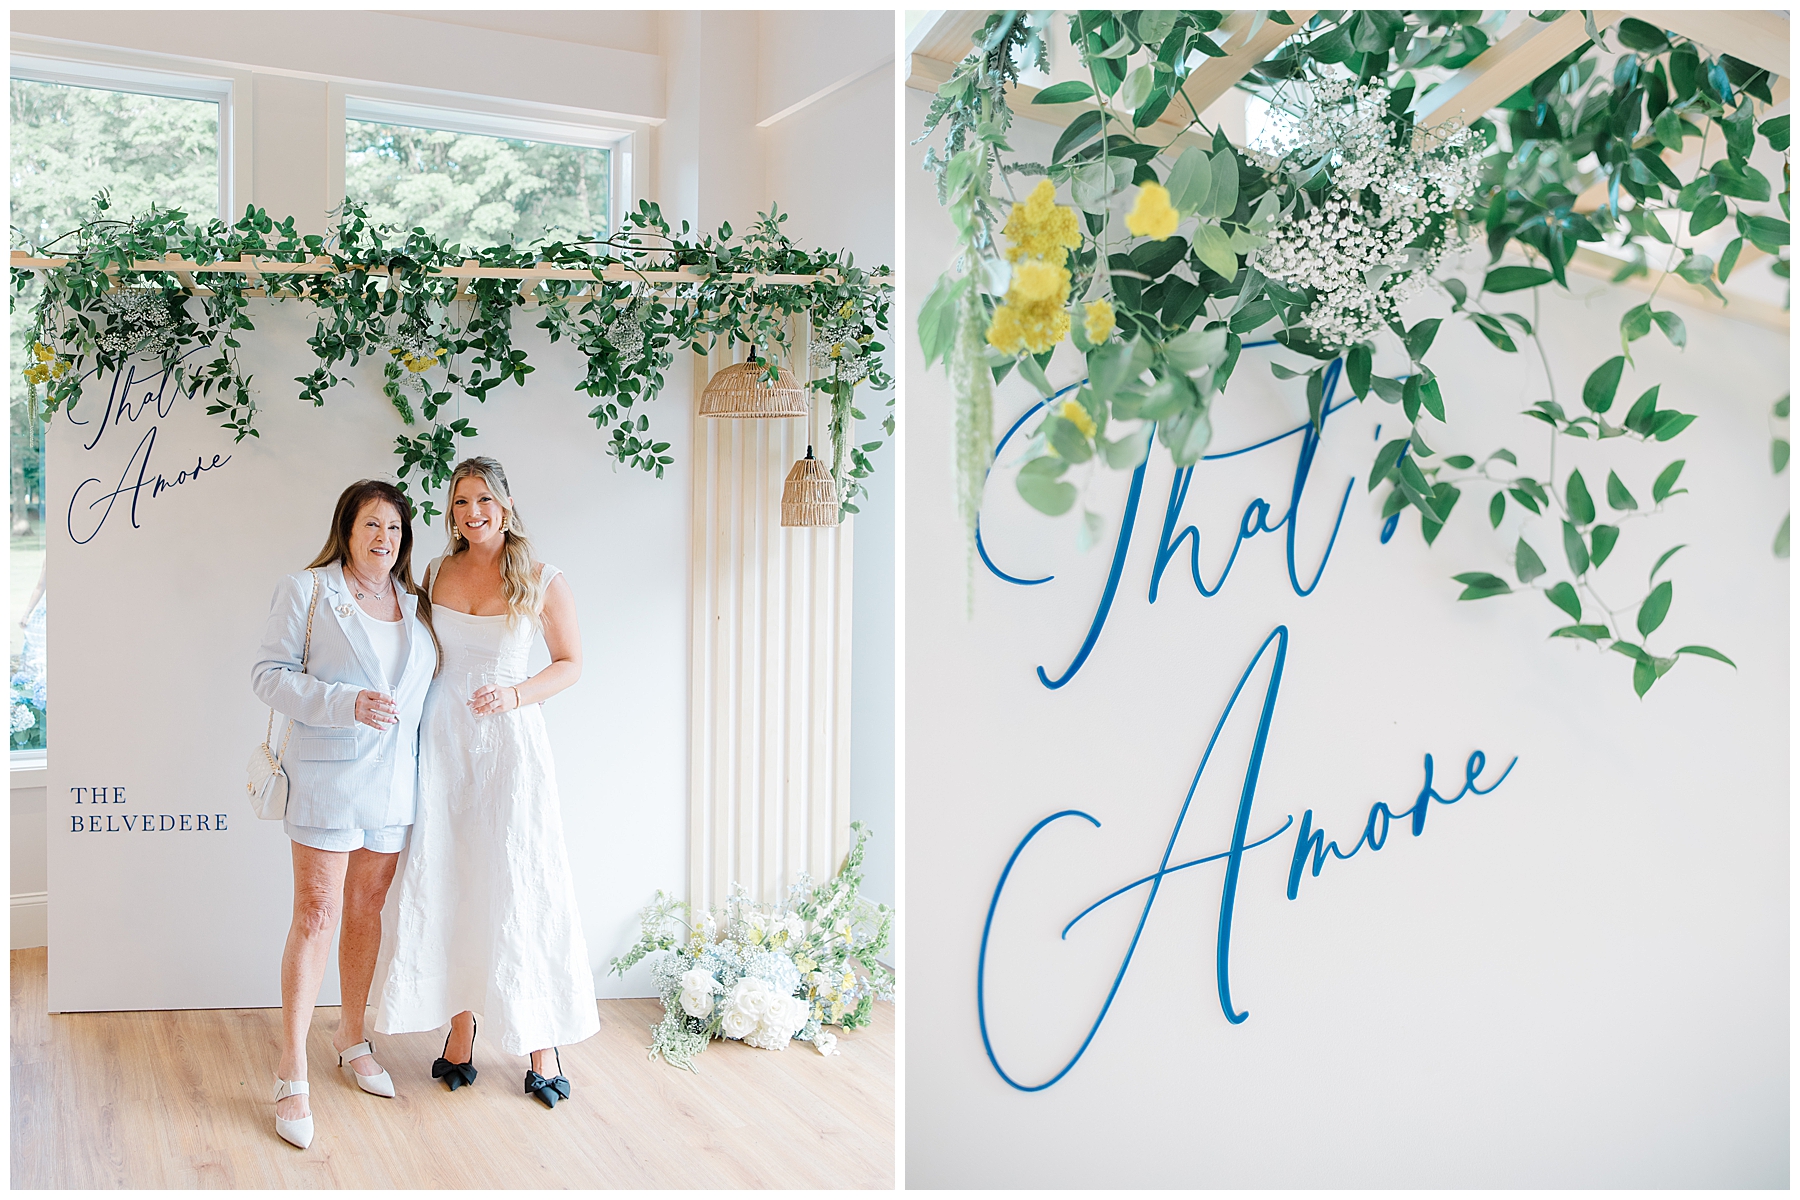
<point x="69" y="143"/>
<point x="476" y="190"/>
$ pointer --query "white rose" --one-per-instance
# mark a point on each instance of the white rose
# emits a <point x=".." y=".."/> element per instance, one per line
<point x="696" y="1004"/>
<point x="738" y="1023"/>
<point x="700" y="982"/>
<point x="798" y="1011"/>
<point x="752" y="996"/>
<point x="796" y="927"/>
<point x="825" y="1043"/>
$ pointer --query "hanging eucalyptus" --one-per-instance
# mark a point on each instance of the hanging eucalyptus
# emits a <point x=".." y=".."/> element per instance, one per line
<point x="381" y="295"/>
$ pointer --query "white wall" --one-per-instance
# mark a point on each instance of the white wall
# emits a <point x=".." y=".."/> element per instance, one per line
<point x="1579" y="980"/>
<point x="831" y="166"/>
<point x="621" y="536"/>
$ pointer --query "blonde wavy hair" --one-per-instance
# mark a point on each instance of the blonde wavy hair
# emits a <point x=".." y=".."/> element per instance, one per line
<point x="520" y="581"/>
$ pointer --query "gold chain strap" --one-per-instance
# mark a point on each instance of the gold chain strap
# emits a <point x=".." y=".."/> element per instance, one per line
<point x="305" y="653"/>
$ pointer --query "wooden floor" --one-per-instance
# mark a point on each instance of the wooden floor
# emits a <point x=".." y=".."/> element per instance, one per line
<point x="181" y="1100"/>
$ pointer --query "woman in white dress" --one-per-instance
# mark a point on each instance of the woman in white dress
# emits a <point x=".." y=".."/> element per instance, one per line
<point x="485" y="919"/>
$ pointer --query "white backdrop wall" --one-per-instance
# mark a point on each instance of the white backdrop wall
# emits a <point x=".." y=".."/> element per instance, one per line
<point x="623" y="538"/>
<point x="1578" y="979"/>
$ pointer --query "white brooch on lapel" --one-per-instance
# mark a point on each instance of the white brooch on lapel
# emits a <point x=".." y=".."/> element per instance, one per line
<point x="343" y="610"/>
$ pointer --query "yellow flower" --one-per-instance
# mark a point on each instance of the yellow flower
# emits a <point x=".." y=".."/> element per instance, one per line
<point x="1041" y="228"/>
<point x="754" y="937"/>
<point x="42" y="352"/>
<point x="837" y="1012"/>
<point x="1099" y="323"/>
<point x="1036" y="280"/>
<point x="1033" y="327"/>
<point x="1152" y="216"/>
<point x="1072" y="412"/>
<point x="37" y="374"/>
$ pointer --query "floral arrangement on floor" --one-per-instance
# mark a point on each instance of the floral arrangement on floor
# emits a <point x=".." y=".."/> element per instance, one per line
<point x="28" y="699"/>
<point x="765" y="974"/>
<point x="1175" y="246"/>
<point x="431" y="336"/>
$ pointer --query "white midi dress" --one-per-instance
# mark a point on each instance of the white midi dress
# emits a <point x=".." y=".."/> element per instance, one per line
<point x="484" y="916"/>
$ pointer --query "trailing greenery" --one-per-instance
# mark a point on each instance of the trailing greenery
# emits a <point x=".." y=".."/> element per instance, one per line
<point x="385" y="299"/>
<point x="1355" y="203"/>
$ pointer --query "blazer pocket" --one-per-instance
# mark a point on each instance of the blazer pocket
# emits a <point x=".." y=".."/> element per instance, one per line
<point x="325" y="749"/>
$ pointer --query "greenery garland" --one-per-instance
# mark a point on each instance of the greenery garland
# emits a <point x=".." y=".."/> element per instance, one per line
<point x="386" y="300"/>
<point x="1319" y="238"/>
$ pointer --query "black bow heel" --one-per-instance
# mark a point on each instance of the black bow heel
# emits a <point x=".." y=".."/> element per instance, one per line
<point x="548" y="1090"/>
<point x="455" y="1075"/>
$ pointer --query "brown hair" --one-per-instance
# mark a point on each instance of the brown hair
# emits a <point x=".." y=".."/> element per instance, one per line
<point x="520" y="581"/>
<point x="337" y="543"/>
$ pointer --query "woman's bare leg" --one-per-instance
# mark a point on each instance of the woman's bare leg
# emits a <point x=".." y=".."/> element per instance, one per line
<point x="461" y="1046"/>
<point x="366" y="882"/>
<point x="318" y="889"/>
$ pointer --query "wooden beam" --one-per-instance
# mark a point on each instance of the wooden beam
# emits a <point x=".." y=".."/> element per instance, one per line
<point x="1756" y="312"/>
<point x="1758" y="36"/>
<point x="1508" y="65"/>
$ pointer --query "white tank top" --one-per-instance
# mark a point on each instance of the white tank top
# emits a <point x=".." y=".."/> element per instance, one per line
<point x="389" y="640"/>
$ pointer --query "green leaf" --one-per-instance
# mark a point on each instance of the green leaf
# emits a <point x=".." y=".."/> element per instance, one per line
<point x="1357" y="366"/>
<point x="1496" y="509"/>
<point x="1512" y="279"/>
<point x="1581" y="504"/>
<point x="1214" y="249"/>
<point x="1430" y="396"/>
<point x="1190" y="180"/>
<point x="1781" y="538"/>
<point x="1419" y="337"/>
<point x="1589" y="633"/>
<point x="1597" y="393"/>
<point x="1728" y="258"/>
<point x="1136" y="88"/>
<point x="1038" y="484"/>
<point x="1776" y="130"/>
<point x="1071" y="92"/>
<point x="1635" y="323"/>
<point x="1673" y="328"/>
<point x="1575" y="549"/>
<point x="1706" y="652"/>
<point x="1080" y="130"/>
<point x="1479" y="585"/>
<point x="1709" y="212"/>
<point x="1495" y="332"/>
<point x="1669" y="423"/>
<point x="1563" y="596"/>
<point x="1641" y="36"/>
<point x="1666" y="556"/>
<point x="1032" y="373"/>
<point x="1617" y="494"/>
<point x="1222" y="200"/>
<point x="1655" y="608"/>
<point x="1605" y="537"/>
<point x="1128" y="451"/>
<point x="1643" y="675"/>
<point x="1525" y="499"/>
<point x="1528" y="565"/>
<point x="1778" y="455"/>
<point x="1385" y="459"/>
<point x="1389" y="390"/>
<point x="1664" y="487"/>
<point x="1668" y="129"/>
<point x="1461" y="462"/>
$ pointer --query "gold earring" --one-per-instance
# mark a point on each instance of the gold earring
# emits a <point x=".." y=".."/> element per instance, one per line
<point x="454" y="532"/>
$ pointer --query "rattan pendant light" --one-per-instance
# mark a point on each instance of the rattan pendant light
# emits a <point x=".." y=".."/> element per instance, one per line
<point x="741" y="391"/>
<point x="809" y="497"/>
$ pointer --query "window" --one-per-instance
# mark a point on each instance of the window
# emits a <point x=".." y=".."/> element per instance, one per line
<point x="68" y="143"/>
<point x="481" y="180"/>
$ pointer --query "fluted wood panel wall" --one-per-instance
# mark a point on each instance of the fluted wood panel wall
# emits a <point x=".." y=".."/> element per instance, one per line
<point x="771" y="664"/>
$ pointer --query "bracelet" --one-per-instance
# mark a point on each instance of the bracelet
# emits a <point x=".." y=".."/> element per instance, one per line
<point x="517" y="703"/>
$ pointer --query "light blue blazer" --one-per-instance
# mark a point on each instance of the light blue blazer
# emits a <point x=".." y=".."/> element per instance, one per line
<point x="334" y="780"/>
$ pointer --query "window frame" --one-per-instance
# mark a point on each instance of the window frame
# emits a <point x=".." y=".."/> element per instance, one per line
<point x="41" y="61"/>
<point x="490" y="117"/>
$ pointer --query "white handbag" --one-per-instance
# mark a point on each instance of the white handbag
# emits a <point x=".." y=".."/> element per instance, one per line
<point x="268" y="783"/>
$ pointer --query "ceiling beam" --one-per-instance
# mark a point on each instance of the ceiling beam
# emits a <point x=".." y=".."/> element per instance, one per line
<point x="1756" y="312"/>
<point x="1508" y="65"/>
<point x="1759" y="37"/>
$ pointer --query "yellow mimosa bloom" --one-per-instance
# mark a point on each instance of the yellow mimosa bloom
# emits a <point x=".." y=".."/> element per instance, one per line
<point x="1036" y="280"/>
<point x="1100" y="323"/>
<point x="1153" y="216"/>
<point x="1042" y="228"/>
<point x="1072" y="412"/>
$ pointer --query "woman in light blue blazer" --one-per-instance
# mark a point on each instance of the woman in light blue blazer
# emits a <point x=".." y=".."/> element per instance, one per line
<point x="352" y="764"/>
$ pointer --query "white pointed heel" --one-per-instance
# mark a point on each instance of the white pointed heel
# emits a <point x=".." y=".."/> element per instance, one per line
<point x="299" y="1133"/>
<point x="381" y="1084"/>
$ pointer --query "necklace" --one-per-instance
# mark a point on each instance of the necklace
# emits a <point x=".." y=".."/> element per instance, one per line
<point x="377" y="595"/>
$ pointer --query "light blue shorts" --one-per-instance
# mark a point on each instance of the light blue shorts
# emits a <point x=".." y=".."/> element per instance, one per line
<point x="388" y="840"/>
